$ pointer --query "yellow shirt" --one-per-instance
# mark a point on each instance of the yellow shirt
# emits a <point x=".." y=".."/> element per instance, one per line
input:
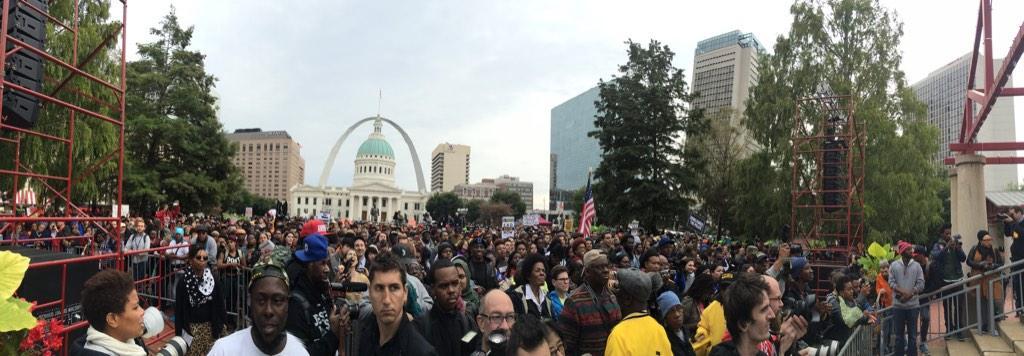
<point x="710" y="329"/>
<point x="638" y="334"/>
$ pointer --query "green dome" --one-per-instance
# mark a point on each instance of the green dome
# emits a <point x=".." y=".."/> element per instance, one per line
<point x="375" y="147"/>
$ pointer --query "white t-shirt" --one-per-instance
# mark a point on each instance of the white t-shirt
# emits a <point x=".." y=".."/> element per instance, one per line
<point x="240" y="343"/>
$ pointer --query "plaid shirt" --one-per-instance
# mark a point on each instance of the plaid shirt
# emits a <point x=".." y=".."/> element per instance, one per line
<point x="587" y="319"/>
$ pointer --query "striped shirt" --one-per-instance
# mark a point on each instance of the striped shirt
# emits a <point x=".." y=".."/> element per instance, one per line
<point x="587" y="320"/>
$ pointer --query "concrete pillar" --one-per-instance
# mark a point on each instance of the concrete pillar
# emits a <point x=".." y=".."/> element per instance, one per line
<point x="953" y="199"/>
<point x="970" y="198"/>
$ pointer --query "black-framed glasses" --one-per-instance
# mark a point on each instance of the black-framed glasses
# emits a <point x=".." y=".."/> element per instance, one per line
<point x="496" y="319"/>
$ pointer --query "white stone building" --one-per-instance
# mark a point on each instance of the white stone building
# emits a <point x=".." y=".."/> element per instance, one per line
<point x="373" y="196"/>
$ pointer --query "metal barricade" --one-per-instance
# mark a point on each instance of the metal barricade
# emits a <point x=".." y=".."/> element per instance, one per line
<point x="861" y="342"/>
<point x="950" y="312"/>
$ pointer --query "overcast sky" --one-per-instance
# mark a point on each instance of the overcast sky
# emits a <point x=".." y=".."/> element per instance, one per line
<point x="477" y="72"/>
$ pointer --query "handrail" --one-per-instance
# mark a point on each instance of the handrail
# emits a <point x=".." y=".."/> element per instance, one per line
<point x="963" y="282"/>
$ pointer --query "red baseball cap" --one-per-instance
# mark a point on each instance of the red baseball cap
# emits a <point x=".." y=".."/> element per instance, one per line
<point x="314" y="226"/>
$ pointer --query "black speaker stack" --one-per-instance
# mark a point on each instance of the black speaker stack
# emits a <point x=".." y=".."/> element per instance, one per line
<point x="24" y="68"/>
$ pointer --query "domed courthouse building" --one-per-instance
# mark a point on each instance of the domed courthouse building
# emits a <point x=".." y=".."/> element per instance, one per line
<point x="373" y="196"/>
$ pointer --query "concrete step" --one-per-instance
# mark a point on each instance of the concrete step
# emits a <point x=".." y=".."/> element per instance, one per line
<point x="990" y="345"/>
<point x="1012" y="332"/>
<point x="956" y="348"/>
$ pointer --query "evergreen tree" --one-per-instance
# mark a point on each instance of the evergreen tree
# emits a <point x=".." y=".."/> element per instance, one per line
<point x="176" y="144"/>
<point x="646" y="172"/>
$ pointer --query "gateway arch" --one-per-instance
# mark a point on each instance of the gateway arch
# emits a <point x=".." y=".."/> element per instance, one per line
<point x="421" y="185"/>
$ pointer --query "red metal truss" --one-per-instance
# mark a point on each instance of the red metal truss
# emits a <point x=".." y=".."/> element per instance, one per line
<point x="994" y="84"/>
<point x="58" y="187"/>
<point x="828" y="162"/>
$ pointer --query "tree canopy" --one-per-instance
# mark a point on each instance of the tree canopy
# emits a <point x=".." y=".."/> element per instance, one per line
<point x="852" y="48"/>
<point x="646" y="172"/>
<point x="510" y="198"/>
<point x="177" y="149"/>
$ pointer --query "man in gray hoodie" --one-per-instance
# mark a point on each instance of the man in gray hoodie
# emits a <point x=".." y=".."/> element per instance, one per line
<point x="907" y="280"/>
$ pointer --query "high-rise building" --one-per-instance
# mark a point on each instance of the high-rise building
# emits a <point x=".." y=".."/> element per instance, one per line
<point x="449" y="167"/>
<point x="573" y="153"/>
<point x="943" y="90"/>
<point x="269" y="161"/>
<point x="724" y="69"/>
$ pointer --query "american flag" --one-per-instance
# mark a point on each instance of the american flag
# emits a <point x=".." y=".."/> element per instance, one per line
<point x="588" y="212"/>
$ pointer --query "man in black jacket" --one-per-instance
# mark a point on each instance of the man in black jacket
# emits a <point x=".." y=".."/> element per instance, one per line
<point x="311" y="318"/>
<point x="449" y="329"/>
<point x="389" y="331"/>
<point x="1014" y="228"/>
<point x="481" y="270"/>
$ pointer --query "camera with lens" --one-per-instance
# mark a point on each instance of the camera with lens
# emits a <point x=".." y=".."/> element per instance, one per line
<point x="801" y="307"/>
<point x="341" y="302"/>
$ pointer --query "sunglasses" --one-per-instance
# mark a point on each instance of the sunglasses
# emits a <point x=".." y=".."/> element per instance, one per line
<point x="202" y="258"/>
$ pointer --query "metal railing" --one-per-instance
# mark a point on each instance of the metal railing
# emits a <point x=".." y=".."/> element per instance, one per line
<point x="950" y="312"/>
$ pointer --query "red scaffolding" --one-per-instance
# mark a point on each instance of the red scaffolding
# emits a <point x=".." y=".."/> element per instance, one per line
<point x="827" y="193"/>
<point x="58" y="98"/>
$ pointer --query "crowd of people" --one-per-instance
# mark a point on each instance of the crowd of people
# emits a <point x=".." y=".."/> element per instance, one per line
<point x="298" y="287"/>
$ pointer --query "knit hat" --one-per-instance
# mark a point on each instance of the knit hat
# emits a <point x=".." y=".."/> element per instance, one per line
<point x="796" y="265"/>
<point x="634" y="283"/>
<point x="902" y="246"/>
<point x="981" y="234"/>
<point x="666" y="301"/>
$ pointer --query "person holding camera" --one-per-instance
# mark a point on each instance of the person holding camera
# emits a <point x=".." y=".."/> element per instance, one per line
<point x="312" y="316"/>
<point x="983" y="258"/>
<point x="906" y="278"/>
<point x="1014" y="227"/>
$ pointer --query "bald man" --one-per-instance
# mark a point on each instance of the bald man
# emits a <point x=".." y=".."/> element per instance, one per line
<point x="791" y="330"/>
<point x="496" y="316"/>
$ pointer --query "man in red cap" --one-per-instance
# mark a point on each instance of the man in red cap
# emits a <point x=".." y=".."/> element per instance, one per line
<point x="906" y="277"/>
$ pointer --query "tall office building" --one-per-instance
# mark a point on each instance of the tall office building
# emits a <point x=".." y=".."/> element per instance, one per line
<point x="449" y="167"/>
<point x="572" y="151"/>
<point x="724" y="69"/>
<point x="944" y="91"/>
<point x="269" y="161"/>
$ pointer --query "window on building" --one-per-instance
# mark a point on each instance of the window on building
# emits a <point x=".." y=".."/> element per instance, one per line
<point x="406" y="206"/>
<point x="383" y="203"/>
<point x="348" y="202"/>
<point x="416" y="206"/>
<point x="314" y="203"/>
<point x="307" y="200"/>
<point x="365" y="200"/>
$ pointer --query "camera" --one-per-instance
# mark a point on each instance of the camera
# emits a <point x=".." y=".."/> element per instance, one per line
<point x="804" y="307"/>
<point x="341" y="302"/>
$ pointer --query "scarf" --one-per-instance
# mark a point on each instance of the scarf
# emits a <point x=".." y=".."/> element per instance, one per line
<point x="98" y="341"/>
<point x="199" y="290"/>
<point x="850" y="314"/>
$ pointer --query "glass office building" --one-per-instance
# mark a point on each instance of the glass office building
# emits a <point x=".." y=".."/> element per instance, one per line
<point x="572" y="151"/>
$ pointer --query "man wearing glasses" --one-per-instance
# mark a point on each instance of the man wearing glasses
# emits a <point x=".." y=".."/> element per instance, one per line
<point x="497" y="315"/>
